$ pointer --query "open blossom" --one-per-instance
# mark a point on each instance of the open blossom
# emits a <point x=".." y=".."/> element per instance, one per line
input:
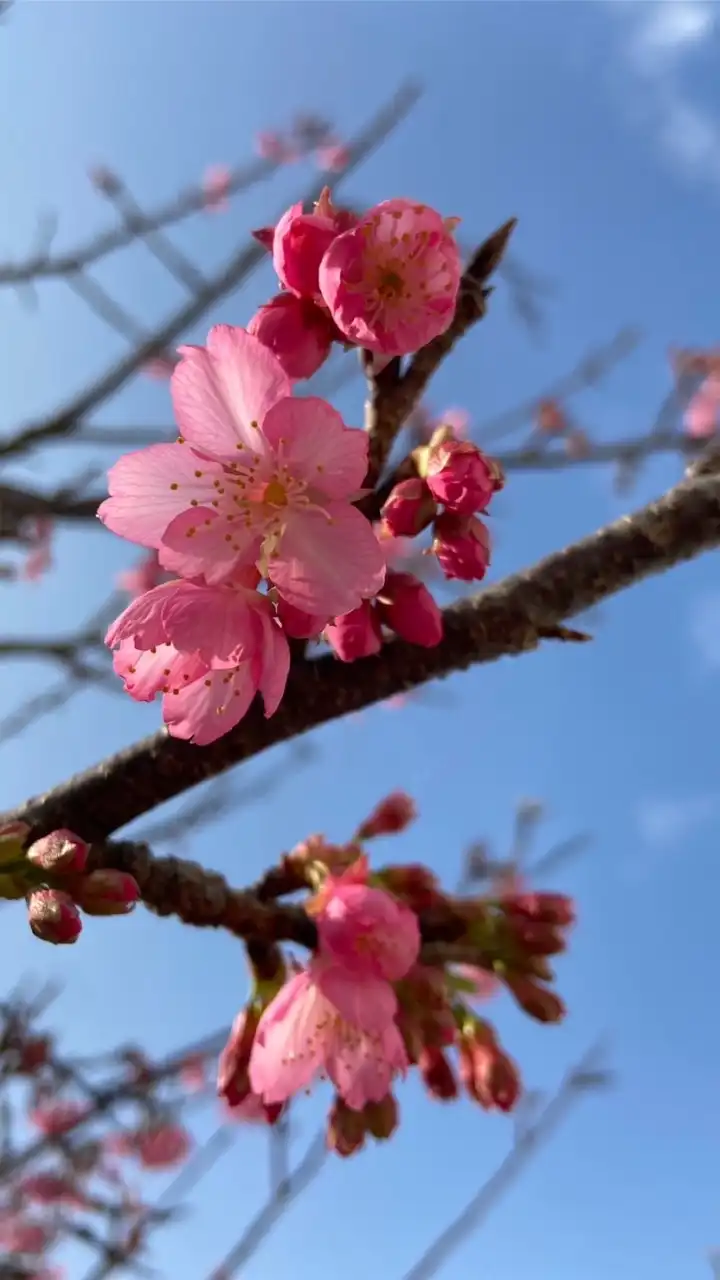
<point x="365" y="930"/>
<point x="259" y="478"/>
<point x="324" y="1020"/>
<point x="208" y="650"/>
<point x="391" y="281"/>
<point x="297" y="331"/>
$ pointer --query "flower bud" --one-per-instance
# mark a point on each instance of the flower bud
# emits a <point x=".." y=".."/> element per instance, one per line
<point x="550" y="417"/>
<point x="437" y="1074"/>
<point x="542" y="908"/>
<point x="462" y="546"/>
<point x="298" y="624"/>
<point x="536" y="939"/>
<point x="355" y="635"/>
<point x="409" y="509"/>
<point x="489" y="1075"/>
<point x="162" y="1146"/>
<point x="297" y="331"/>
<point x="414" y="883"/>
<point x="346" y="1129"/>
<point x="59" y="852"/>
<point x="407" y="608"/>
<point x="393" y="814"/>
<point x="299" y="244"/>
<point x="107" y="893"/>
<point x="53" y="916"/>
<point x="459" y="475"/>
<point x="538" y="1002"/>
<point x="381" y="1118"/>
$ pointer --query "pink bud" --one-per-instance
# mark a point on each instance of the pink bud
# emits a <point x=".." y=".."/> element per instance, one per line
<point x="333" y="157"/>
<point x="297" y="331"/>
<point x="264" y="236"/>
<point x="393" y="814"/>
<point x="271" y="146"/>
<point x="59" y="852"/>
<point x="216" y="184"/>
<point x="58" y="1117"/>
<point x="407" y="608"/>
<point x="107" y="893"/>
<point x="538" y="1002"/>
<point x="409" y="509"/>
<point x="551" y="417"/>
<point x="460" y="475"/>
<point x="297" y="623"/>
<point x="299" y="244"/>
<point x="162" y="1145"/>
<point x="233" y="1081"/>
<point x="437" y="1074"/>
<point x="53" y="916"/>
<point x="356" y="635"/>
<point x="462" y="546"/>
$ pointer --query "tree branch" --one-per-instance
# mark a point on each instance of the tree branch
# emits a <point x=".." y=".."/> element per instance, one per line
<point x="510" y="618"/>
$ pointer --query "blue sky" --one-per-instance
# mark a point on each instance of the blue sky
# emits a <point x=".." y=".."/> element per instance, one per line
<point x="598" y="124"/>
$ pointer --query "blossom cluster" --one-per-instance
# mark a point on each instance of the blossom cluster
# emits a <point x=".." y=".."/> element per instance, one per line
<point x="51" y="875"/>
<point x="370" y="1004"/>
<point x="252" y="512"/>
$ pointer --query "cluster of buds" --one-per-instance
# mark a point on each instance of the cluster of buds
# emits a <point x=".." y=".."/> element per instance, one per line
<point x="454" y="475"/>
<point x="50" y="873"/>
<point x="398" y="966"/>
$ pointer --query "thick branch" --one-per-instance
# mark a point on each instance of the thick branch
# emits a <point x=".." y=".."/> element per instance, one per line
<point x="510" y="618"/>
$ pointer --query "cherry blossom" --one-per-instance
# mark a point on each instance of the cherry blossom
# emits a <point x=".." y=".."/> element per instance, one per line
<point x="259" y="478"/>
<point x="391" y="282"/>
<point x="363" y="929"/>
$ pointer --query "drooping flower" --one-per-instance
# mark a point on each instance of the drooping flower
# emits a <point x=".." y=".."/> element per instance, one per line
<point x="391" y="282"/>
<point x="325" y="1020"/>
<point x="208" y="650"/>
<point x="260" y="478"/>
<point x="297" y="331"/>
<point x="365" y="930"/>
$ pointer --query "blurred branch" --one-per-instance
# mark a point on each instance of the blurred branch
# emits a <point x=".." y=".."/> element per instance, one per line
<point x="512" y="617"/>
<point x="582" y="1077"/>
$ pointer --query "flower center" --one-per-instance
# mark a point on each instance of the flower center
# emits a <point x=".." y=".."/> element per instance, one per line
<point x="390" y="286"/>
<point x="275" y="494"/>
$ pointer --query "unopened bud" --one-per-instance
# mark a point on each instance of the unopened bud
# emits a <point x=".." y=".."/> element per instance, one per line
<point x="538" y="1002"/>
<point x="541" y="908"/>
<point x="233" y="1081"/>
<point x="407" y="608"/>
<point x="381" y="1118"/>
<point x="489" y="1075"/>
<point x="409" y="509"/>
<point x="390" y="816"/>
<point x="53" y="916"/>
<point x="437" y="1073"/>
<point x="460" y="476"/>
<point x="462" y="546"/>
<point x="346" y="1129"/>
<point x="414" y="883"/>
<point x="107" y="893"/>
<point x="357" y="634"/>
<point x="59" y="852"/>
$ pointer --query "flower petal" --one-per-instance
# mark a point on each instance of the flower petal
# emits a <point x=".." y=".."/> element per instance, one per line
<point x="288" y="1047"/>
<point x="367" y="1002"/>
<point x="275" y="667"/>
<point x="201" y="537"/>
<point x="150" y="487"/>
<point x="219" y="390"/>
<point x="317" y="446"/>
<point x="327" y="566"/>
<point x="205" y="709"/>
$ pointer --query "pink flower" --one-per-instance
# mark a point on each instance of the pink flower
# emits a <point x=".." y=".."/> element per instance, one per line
<point x="53" y="916"/>
<point x="20" y="1236"/>
<point x="216" y="184"/>
<point x="392" y="281"/>
<point x="271" y="146"/>
<point x="298" y="624"/>
<point x="354" y="635"/>
<point x="233" y="1082"/>
<point x="325" y="1020"/>
<point x="162" y="1146"/>
<point x="39" y="558"/>
<point x="260" y="477"/>
<point x="58" y="1117"/>
<point x="145" y="575"/>
<point x="365" y="931"/>
<point x="333" y="157"/>
<point x="297" y="331"/>
<point x="409" y="509"/>
<point x="392" y="815"/>
<point x="702" y="416"/>
<point x="299" y="242"/>
<point x="462" y="546"/>
<point x="551" y="417"/>
<point x="51" y="1188"/>
<point x="209" y="650"/>
<point x="407" y="608"/>
<point x="460" y="476"/>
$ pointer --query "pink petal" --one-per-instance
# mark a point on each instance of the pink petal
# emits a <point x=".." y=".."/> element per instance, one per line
<point x="365" y="1002"/>
<point x="317" y="446"/>
<point x="219" y="390"/>
<point x="199" y="536"/>
<point x="213" y="621"/>
<point x="143" y="619"/>
<point x="275" y="666"/>
<point x="206" y="709"/>
<point x="362" y="1068"/>
<point x="150" y="487"/>
<point x="328" y="566"/>
<point x="288" y="1048"/>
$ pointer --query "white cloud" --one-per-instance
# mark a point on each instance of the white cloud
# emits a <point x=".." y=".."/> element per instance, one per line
<point x="662" y="822"/>
<point x="663" y="36"/>
<point x="705" y="629"/>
